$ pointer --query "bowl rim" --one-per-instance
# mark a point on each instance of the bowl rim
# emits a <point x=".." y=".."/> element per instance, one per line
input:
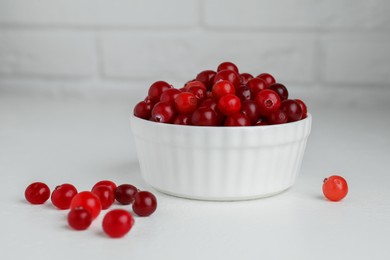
<point x="302" y="121"/>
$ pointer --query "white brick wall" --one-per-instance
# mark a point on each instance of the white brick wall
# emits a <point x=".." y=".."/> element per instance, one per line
<point x="81" y="45"/>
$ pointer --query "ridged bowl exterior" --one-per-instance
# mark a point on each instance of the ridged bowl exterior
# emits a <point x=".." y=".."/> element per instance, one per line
<point x="220" y="163"/>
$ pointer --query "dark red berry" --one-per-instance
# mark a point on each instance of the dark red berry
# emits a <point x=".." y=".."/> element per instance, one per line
<point x="207" y="78"/>
<point x="227" y="66"/>
<point x="182" y="120"/>
<point x="210" y="103"/>
<point x="280" y="89"/>
<point x="229" y="104"/>
<point x="277" y="117"/>
<point x="245" y="77"/>
<point x="256" y="85"/>
<point x="156" y="89"/>
<point x="62" y="195"/>
<point x="37" y="193"/>
<point x="250" y="109"/>
<point x="199" y="92"/>
<point x="244" y="93"/>
<point x="117" y="223"/>
<point x="303" y="106"/>
<point x="267" y="101"/>
<point x="125" y="193"/>
<point x="169" y="95"/>
<point x="143" y="109"/>
<point x="204" y="116"/>
<point x="268" y="78"/>
<point x="195" y="83"/>
<point x="105" y="194"/>
<point x="293" y="110"/>
<point x="163" y="112"/>
<point x="229" y="75"/>
<point x="145" y="203"/>
<point x="222" y="88"/>
<point x="238" y="119"/>
<point x="185" y="103"/>
<point x="79" y="218"/>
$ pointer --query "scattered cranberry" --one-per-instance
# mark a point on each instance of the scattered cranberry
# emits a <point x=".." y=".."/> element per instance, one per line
<point x="37" y="193"/>
<point x="207" y="78"/>
<point x="145" y="203"/>
<point x="251" y="110"/>
<point x="87" y="200"/>
<point x="303" y="106"/>
<point x="156" y="89"/>
<point x="143" y="109"/>
<point x="222" y="88"/>
<point x="229" y="104"/>
<point x="335" y="188"/>
<point x="256" y="85"/>
<point x="105" y="194"/>
<point x="268" y="101"/>
<point x="62" y="195"/>
<point x="292" y="109"/>
<point x="108" y="183"/>
<point x="205" y="116"/>
<point x="169" y="95"/>
<point x="227" y="66"/>
<point x="163" y="112"/>
<point x="228" y="75"/>
<point x="277" y="117"/>
<point x="79" y="218"/>
<point x="185" y="103"/>
<point x="268" y="78"/>
<point x="238" y="119"/>
<point x="117" y="223"/>
<point x="125" y="193"/>
<point x="245" y="77"/>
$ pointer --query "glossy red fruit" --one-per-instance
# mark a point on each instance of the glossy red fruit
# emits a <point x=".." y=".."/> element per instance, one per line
<point x="88" y="201"/>
<point x="199" y="92"/>
<point x="256" y="85"/>
<point x="145" y="203"/>
<point x="79" y="218"/>
<point x="292" y="109"/>
<point x="143" y="109"/>
<point x="268" y="78"/>
<point x="222" y="88"/>
<point x="37" y="193"/>
<point x="195" y="83"/>
<point x="227" y="65"/>
<point x="303" y="106"/>
<point x="277" y="117"/>
<point x="335" y="188"/>
<point x="125" y="194"/>
<point x="280" y="89"/>
<point x="182" y="120"/>
<point x="210" y="103"/>
<point x="117" y="223"/>
<point x="229" y="75"/>
<point x="229" y="104"/>
<point x="169" y="95"/>
<point x="204" y="116"/>
<point x="244" y="93"/>
<point x="238" y="119"/>
<point x="62" y="195"/>
<point x="245" y="77"/>
<point x="267" y="101"/>
<point x="250" y="109"/>
<point x="207" y="78"/>
<point x="105" y="194"/>
<point x="107" y="183"/>
<point x="185" y="103"/>
<point x="163" y="112"/>
<point x="156" y="89"/>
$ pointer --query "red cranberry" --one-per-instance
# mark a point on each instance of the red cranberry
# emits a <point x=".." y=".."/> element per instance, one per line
<point x="79" y="218"/>
<point x="37" y="193"/>
<point x="156" y="89"/>
<point x="169" y="95"/>
<point x="145" y="203"/>
<point x="292" y="109"/>
<point x="207" y="78"/>
<point x="105" y="194"/>
<point x="227" y="66"/>
<point x="210" y="103"/>
<point x="228" y="75"/>
<point x="204" y="116"/>
<point x="303" y="106"/>
<point x="125" y="193"/>
<point x="143" y="109"/>
<point x="256" y="85"/>
<point x="268" y="78"/>
<point x="195" y="83"/>
<point x="199" y="92"/>
<point x="229" y="104"/>
<point x="238" y="119"/>
<point x="244" y="93"/>
<point x="277" y="117"/>
<point x="222" y="88"/>
<point x="268" y="101"/>
<point x="62" y="195"/>
<point x="107" y="183"/>
<point x="163" y="112"/>
<point x="183" y="120"/>
<point x="117" y="223"/>
<point x="280" y="89"/>
<point x="245" y="77"/>
<point x="185" y="103"/>
<point x="87" y="200"/>
<point x="250" y="109"/>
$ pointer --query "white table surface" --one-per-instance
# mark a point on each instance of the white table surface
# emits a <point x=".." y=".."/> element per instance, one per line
<point x="82" y="141"/>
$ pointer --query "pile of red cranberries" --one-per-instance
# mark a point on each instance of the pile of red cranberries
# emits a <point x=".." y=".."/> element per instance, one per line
<point x="224" y="97"/>
<point x="85" y="206"/>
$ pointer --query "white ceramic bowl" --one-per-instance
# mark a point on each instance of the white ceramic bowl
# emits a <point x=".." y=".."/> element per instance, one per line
<point x="220" y="163"/>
